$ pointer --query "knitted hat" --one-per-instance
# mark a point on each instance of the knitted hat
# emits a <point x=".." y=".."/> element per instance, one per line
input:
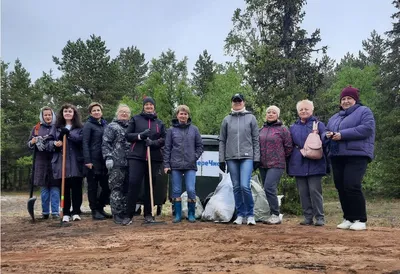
<point x="275" y="108"/>
<point x="149" y="100"/>
<point x="350" y="91"/>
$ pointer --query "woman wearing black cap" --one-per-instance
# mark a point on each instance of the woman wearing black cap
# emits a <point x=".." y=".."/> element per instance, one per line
<point x="351" y="134"/>
<point x="239" y="148"/>
<point x="144" y="130"/>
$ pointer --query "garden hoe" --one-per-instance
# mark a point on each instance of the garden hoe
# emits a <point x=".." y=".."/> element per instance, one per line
<point x="32" y="199"/>
<point x="151" y="192"/>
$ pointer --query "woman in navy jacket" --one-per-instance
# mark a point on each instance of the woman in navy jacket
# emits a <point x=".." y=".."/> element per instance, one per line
<point x="351" y="135"/>
<point x="95" y="168"/>
<point x="308" y="172"/>
<point x="183" y="147"/>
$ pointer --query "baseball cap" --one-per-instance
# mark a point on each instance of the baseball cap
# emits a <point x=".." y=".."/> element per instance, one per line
<point x="237" y="97"/>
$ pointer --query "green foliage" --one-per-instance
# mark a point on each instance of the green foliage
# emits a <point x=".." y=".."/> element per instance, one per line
<point x="216" y="103"/>
<point x="25" y="161"/>
<point x="132" y="69"/>
<point x="88" y="74"/>
<point x="204" y="73"/>
<point x="366" y="80"/>
<point x="276" y="51"/>
<point x="291" y="200"/>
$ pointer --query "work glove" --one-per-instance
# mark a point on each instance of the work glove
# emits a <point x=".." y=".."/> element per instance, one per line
<point x="222" y="166"/>
<point x="64" y="131"/>
<point x="150" y="143"/>
<point x="109" y="164"/>
<point x="256" y="165"/>
<point x="144" y="134"/>
<point x="40" y="143"/>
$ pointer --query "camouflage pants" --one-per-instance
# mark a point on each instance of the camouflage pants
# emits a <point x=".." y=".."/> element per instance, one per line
<point x="117" y="183"/>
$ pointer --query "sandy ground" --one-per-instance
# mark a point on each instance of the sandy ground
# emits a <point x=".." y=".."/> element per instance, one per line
<point x="103" y="247"/>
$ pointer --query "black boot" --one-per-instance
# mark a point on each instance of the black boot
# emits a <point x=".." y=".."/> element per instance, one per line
<point x="96" y="215"/>
<point x="105" y="214"/>
<point x="118" y="219"/>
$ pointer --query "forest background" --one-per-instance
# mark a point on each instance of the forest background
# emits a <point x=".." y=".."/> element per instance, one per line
<point x="274" y="64"/>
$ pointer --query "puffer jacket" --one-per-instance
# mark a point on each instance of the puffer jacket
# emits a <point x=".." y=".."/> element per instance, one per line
<point x="275" y="145"/>
<point x="238" y="137"/>
<point x="115" y="146"/>
<point x="298" y="164"/>
<point x="356" y="126"/>
<point x="92" y="138"/>
<point x="183" y="146"/>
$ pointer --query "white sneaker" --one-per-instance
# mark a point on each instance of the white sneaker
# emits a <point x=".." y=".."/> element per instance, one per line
<point x="251" y="221"/>
<point x="273" y="220"/>
<point x="66" y="219"/>
<point x="238" y="221"/>
<point x="357" y="225"/>
<point x="76" y="217"/>
<point x="345" y="224"/>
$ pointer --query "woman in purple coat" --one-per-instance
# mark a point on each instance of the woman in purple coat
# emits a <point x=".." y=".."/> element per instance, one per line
<point x="351" y="135"/>
<point x="69" y="123"/>
<point x="49" y="188"/>
<point x="308" y="172"/>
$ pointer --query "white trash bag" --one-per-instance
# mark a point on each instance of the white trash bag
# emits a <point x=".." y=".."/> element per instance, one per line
<point x="221" y="206"/>
<point x="199" y="207"/>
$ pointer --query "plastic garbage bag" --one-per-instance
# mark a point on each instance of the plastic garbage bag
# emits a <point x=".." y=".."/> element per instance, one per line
<point x="199" y="207"/>
<point x="221" y="206"/>
<point x="261" y="207"/>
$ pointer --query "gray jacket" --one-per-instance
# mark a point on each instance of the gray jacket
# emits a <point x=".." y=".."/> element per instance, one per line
<point x="238" y="137"/>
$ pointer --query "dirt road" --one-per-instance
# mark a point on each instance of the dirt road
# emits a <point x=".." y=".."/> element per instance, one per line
<point x="103" y="247"/>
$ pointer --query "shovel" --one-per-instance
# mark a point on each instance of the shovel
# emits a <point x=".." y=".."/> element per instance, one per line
<point x="64" y="156"/>
<point x="32" y="199"/>
<point x="151" y="191"/>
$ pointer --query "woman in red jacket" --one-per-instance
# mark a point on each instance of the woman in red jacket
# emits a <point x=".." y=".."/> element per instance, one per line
<point x="275" y="146"/>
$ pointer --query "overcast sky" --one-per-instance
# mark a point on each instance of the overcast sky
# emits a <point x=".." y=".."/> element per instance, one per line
<point x="35" y="30"/>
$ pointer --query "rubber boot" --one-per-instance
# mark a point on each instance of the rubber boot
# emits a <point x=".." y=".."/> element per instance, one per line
<point x="178" y="211"/>
<point x="191" y="211"/>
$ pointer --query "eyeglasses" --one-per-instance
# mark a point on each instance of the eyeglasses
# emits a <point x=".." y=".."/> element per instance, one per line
<point x="124" y="112"/>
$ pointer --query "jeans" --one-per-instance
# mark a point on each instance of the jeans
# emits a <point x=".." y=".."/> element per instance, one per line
<point x="312" y="202"/>
<point x="240" y="171"/>
<point x="190" y="183"/>
<point x="50" y="196"/>
<point x="348" y="173"/>
<point x="271" y="178"/>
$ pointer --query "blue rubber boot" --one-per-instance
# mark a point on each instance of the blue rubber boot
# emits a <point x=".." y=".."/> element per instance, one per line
<point x="191" y="211"/>
<point x="178" y="211"/>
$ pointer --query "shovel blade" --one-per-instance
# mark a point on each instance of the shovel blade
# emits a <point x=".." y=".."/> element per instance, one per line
<point x="31" y="207"/>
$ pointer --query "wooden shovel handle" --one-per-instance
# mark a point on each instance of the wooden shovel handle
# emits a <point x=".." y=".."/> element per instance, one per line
<point x="64" y="157"/>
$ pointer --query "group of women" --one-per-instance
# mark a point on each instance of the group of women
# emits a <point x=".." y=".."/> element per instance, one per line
<point x="347" y="143"/>
<point x="115" y="158"/>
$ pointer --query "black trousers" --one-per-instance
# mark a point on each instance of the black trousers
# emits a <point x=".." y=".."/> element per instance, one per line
<point x="138" y="171"/>
<point x="348" y="172"/>
<point x="72" y="191"/>
<point x="97" y="201"/>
